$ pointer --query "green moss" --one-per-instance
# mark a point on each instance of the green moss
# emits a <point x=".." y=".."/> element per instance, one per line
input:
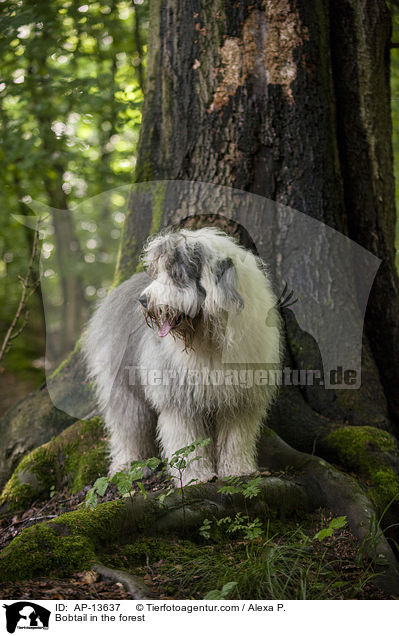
<point x="39" y="550"/>
<point x="85" y="451"/>
<point x="158" y="196"/>
<point x="127" y="257"/>
<point x="145" y="171"/>
<point x="93" y="466"/>
<point x="99" y="524"/>
<point x="354" y="443"/>
<point x="73" y="459"/>
<point x="33" y="477"/>
<point x="369" y="452"/>
<point x="63" y="546"/>
<point x="157" y="206"/>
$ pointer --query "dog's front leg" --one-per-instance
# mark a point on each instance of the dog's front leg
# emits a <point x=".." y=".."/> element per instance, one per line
<point x="131" y="431"/>
<point x="236" y="437"/>
<point x="176" y="431"/>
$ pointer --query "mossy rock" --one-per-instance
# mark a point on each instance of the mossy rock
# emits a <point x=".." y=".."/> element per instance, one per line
<point x="44" y="414"/>
<point x="374" y="455"/>
<point x="73" y="459"/>
<point x="30" y="423"/>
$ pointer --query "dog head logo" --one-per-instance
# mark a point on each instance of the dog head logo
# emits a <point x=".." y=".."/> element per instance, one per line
<point x="26" y="615"/>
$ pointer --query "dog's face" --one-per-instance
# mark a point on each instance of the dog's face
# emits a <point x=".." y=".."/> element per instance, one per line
<point x="193" y="283"/>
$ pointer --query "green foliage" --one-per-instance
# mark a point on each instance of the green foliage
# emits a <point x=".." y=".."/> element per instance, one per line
<point x="224" y="593"/>
<point x="71" y="93"/>
<point x="287" y="563"/>
<point x="242" y="525"/>
<point x="235" y="485"/>
<point x="123" y="480"/>
<point x="180" y="459"/>
<point x="205" y="529"/>
<point x="335" y="524"/>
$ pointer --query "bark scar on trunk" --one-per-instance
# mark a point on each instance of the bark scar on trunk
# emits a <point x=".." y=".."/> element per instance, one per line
<point x="265" y="52"/>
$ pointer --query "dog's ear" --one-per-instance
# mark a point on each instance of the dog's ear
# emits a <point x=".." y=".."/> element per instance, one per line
<point x="225" y="281"/>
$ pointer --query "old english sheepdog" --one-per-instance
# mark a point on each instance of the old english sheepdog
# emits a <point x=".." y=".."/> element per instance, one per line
<point x="171" y="349"/>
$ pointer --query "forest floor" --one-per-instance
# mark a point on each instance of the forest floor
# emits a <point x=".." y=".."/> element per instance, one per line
<point x="164" y="576"/>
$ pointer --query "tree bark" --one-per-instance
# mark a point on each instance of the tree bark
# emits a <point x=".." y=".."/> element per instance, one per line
<point x="360" y="64"/>
<point x="261" y="96"/>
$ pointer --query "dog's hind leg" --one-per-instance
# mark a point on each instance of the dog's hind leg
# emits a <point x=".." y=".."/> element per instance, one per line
<point x="236" y="437"/>
<point x="176" y="431"/>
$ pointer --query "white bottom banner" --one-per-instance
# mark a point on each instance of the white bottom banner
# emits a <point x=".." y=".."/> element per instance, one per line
<point x="155" y="617"/>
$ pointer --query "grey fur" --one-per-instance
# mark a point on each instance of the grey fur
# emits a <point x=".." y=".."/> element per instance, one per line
<point x="111" y="340"/>
<point x="226" y="279"/>
<point x="204" y="275"/>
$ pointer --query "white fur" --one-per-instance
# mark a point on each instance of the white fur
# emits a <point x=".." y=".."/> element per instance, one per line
<point x="235" y="337"/>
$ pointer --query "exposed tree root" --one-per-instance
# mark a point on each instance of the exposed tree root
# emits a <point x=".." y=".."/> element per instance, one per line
<point x="136" y="588"/>
<point x="314" y="483"/>
<point x="329" y="487"/>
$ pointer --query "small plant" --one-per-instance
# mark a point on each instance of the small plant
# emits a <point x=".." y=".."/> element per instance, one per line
<point x="123" y="480"/>
<point x="234" y="485"/>
<point x="240" y="524"/>
<point x="205" y="529"/>
<point x="221" y="595"/>
<point x="335" y="524"/>
<point x="180" y="462"/>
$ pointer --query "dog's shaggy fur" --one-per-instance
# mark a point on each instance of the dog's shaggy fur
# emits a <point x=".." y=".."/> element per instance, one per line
<point x="164" y="346"/>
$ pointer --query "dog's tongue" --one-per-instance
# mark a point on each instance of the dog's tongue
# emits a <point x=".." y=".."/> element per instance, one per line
<point x="164" y="330"/>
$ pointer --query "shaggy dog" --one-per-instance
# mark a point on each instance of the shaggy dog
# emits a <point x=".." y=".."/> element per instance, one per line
<point x="171" y="349"/>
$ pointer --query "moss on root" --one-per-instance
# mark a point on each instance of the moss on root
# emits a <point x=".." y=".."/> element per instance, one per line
<point x="62" y="546"/>
<point x="371" y="453"/>
<point x="38" y="550"/>
<point x="73" y="459"/>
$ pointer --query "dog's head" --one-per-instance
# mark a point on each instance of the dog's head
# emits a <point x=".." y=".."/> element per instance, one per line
<point x="194" y="283"/>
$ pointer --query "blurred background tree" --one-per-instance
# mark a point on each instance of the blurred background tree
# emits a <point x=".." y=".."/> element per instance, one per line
<point x="71" y="92"/>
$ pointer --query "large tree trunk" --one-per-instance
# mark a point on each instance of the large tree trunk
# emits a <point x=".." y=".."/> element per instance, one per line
<point x="360" y="55"/>
<point x="283" y="100"/>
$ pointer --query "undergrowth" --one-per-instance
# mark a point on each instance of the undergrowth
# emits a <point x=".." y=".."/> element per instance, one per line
<point x="241" y="556"/>
<point x="320" y="561"/>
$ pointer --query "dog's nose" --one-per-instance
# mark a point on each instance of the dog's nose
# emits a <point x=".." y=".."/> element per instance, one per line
<point x="143" y="300"/>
